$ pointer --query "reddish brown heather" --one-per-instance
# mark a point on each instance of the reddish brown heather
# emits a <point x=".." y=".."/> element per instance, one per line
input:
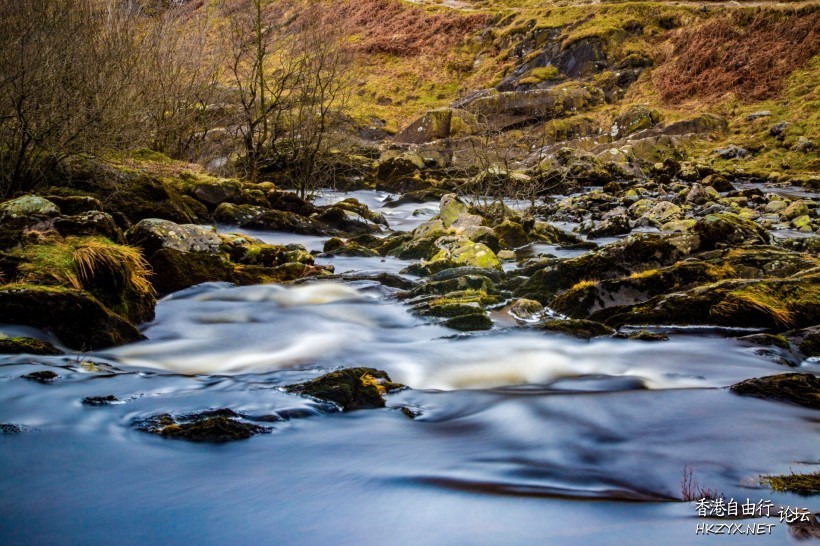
<point x="390" y="26"/>
<point x="750" y="54"/>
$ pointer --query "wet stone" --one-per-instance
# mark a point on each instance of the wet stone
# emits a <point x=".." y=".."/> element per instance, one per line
<point x="100" y="400"/>
<point x="43" y="376"/>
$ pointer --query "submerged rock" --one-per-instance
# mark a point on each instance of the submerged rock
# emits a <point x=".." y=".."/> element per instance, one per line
<point x="42" y="376"/>
<point x="350" y="388"/>
<point x="221" y="425"/>
<point x="100" y="400"/>
<point x="802" y="389"/>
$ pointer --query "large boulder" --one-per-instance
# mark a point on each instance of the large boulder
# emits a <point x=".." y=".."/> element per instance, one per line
<point x="153" y="234"/>
<point x="27" y="213"/>
<point x="78" y="319"/>
<point x="729" y="229"/>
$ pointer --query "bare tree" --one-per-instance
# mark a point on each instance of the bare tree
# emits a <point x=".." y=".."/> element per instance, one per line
<point x="66" y="69"/>
<point x="316" y="100"/>
<point x="178" y="81"/>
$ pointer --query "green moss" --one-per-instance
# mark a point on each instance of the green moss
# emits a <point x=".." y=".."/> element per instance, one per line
<point x="802" y="484"/>
<point x="350" y="389"/>
<point x="27" y="345"/>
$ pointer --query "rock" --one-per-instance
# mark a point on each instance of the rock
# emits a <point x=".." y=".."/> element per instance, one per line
<point x="775" y="304"/>
<point x="43" y="376"/>
<point x="469" y="323"/>
<point x="635" y="118"/>
<point x="804" y="145"/>
<point x="338" y="219"/>
<point x="802" y="389"/>
<point x="778" y="130"/>
<point x="213" y="194"/>
<point x="27" y="345"/>
<point x="434" y="125"/>
<point x="465" y="252"/>
<point x="727" y="228"/>
<point x="216" y="426"/>
<point x="88" y="224"/>
<point x="506" y="255"/>
<point x="398" y="166"/>
<point x="27" y="206"/>
<point x="350" y="388"/>
<point x="255" y="217"/>
<point x="100" y="400"/>
<point x="616" y="225"/>
<point x="290" y="202"/>
<point x="719" y="183"/>
<point x="662" y="213"/>
<point x="760" y="114"/>
<point x="76" y="204"/>
<point x="732" y="152"/>
<point x="795" y="209"/>
<point x="511" y="235"/>
<point x="526" y="310"/>
<point x="584" y="329"/>
<point x="450" y="209"/>
<point x="646" y="335"/>
<point x="9" y="428"/>
<point x="153" y="234"/>
<point x="24" y="214"/>
<point x="699" y="195"/>
<point x="775" y="206"/>
<point x="807" y="340"/>
<point x="78" y="319"/>
<point x="638" y="252"/>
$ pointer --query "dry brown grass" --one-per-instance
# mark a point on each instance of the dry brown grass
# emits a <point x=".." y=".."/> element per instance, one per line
<point x="389" y="26"/>
<point x="749" y="54"/>
<point x="94" y="258"/>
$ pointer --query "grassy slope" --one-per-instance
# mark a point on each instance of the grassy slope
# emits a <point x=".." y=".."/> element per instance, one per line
<point x="398" y="87"/>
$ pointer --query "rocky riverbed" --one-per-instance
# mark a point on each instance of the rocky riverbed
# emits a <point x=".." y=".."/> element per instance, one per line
<point x="404" y="355"/>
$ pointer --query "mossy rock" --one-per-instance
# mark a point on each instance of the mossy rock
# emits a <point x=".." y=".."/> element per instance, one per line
<point x="773" y="304"/>
<point x="350" y="388"/>
<point x="469" y="323"/>
<point x="75" y="204"/>
<point x="511" y="235"/>
<point x="255" y="217"/>
<point x="422" y="248"/>
<point x="215" y="426"/>
<point x="468" y="253"/>
<point x="729" y="229"/>
<point x="583" y="329"/>
<point x="646" y="335"/>
<point x="175" y="270"/>
<point x="802" y="389"/>
<point x="78" y="319"/>
<point x="526" y="310"/>
<point x="28" y="206"/>
<point x="27" y="345"/>
<point x="93" y="223"/>
<point x="451" y="208"/>
<point x="638" y="252"/>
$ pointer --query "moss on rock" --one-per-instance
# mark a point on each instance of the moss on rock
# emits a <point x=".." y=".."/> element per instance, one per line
<point x="350" y="388"/>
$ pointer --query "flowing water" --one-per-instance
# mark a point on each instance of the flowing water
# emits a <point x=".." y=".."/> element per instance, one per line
<point x="521" y="436"/>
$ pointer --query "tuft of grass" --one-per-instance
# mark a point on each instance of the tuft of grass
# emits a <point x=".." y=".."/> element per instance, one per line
<point x="584" y="284"/>
<point x="644" y="274"/>
<point x="94" y="257"/>
<point x="722" y="271"/>
<point x="802" y="484"/>
<point x="757" y="300"/>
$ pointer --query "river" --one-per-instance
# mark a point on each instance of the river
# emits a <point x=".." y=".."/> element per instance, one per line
<point x="520" y="436"/>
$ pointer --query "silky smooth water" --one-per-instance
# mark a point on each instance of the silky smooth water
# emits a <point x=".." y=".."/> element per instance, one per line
<point x="521" y="436"/>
